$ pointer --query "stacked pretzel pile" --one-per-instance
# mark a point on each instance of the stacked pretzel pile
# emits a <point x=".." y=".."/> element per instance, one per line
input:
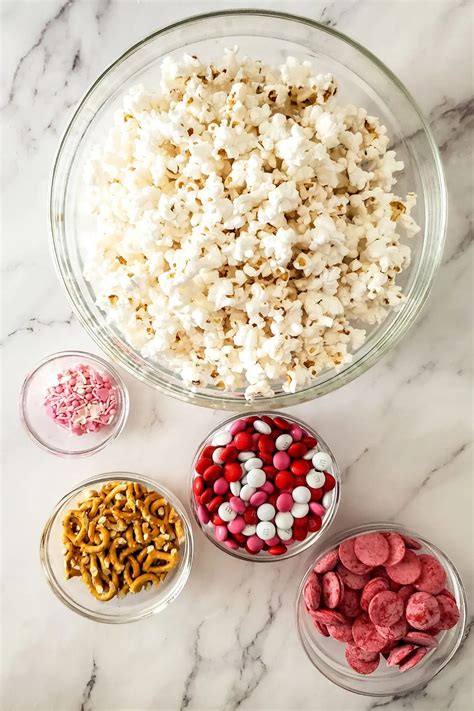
<point x="120" y="539"/>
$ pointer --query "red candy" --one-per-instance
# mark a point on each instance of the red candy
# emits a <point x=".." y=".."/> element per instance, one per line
<point x="407" y="570"/>
<point x="314" y="523"/>
<point x="386" y="608"/>
<point x="284" y="480"/>
<point x="333" y="590"/>
<point x="398" y="654"/>
<point x="250" y="516"/>
<point x="330" y="482"/>
<point x="396" y="547"/>
<point x="203" y="464"/>
<point x="215" y="503"/>
<point x="243" y="441"/>
<point x="229" y="454"/>
<point x="379" y="596"/>
<point x="361" y="665"/>
<point x="206" y="497"/>
<point x="449" y="612"/>
<point x="371" y="549"/>
<point x="208" y="451"/>
<point x="372" y="588"/>
<point x="281" y="423"/>
<point x="212" y="473"/>
<point x="198" y="485"/>
<point x="422" y="611"/>
<point x="327" y="562"/>
<point x="266" y="444"/>
<point x="277" y="550"/>
<point x="432" y="578"/>
<point x="300" y="467"/>
<point x="413" y="659"/>
<point x="232" y="471"/>
<point x="297" y="450"/>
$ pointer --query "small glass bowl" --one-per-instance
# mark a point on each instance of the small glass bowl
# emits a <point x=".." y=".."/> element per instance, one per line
<point x="44" y="431"/>
<point x="327" y="654"/>
<point x="298" y="546"/>
<point x="74" y="594"/>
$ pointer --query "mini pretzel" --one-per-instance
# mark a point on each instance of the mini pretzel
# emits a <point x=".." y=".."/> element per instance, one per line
<point x="120" y="539"/>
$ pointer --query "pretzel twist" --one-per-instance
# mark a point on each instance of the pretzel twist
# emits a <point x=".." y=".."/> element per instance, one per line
<point x="121" y="539"/>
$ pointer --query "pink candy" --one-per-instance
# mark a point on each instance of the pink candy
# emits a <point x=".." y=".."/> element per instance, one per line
<point x="317" y="509"/>
<point x="284" y="502"/>
<point x="237" y="426"/>
<point x="237" y="525"/>
<point x="221" y="486"/>
<point x="203" y="515"/>
<point x="237" y="504"/>
<point x="83" y="401"/>
<point x="268" y="487"/>
<point x="297" y="433"/>
<point x="221" y="533"/>
<point x="255" y="544"/>
<point x="281" y="460"/>
<point x="258" y="498"/>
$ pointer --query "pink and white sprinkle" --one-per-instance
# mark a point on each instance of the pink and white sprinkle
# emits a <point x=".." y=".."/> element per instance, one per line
<point x="83" y="400"/>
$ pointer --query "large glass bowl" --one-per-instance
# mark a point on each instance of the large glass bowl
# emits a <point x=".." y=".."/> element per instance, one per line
<point x="363" y="80"/>
<point x="74" y="594"/>
<point x="327" y="654"/>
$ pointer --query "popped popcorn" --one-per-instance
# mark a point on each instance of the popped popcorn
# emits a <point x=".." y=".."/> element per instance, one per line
<point x="245" y="222"/>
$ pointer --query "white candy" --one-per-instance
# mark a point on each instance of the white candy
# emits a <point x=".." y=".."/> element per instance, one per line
<point x="299" y="510"/>
<point x="283" y="441"/>
<point x="265" y="530"/>
<point x="246" y="492"/>
<point x="216" y="455"/>
<point x="315" y="479"/>
<point x="221" y="439"/>
<point x="256" y="477"/>
<point x="285" y="533"/>
<point x="225" y="512"/>
<point x="244" y="480"/>
<point x="262" y="427"/>
<point x="301" y="494"/>
<point x="327" y="499"/>
<point x="235" y="487"/>
<point x="284" y="520"/>
<point x="249" y="530"/>
<point x="266" y="512"/>
<point x="254" y="463"/>
<point x="321" y="461"/>
<point x="310" y="454"/>
<point x="245" y="456"/>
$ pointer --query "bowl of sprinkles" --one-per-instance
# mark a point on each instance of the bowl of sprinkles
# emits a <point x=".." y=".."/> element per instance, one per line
<point x="73" y="404"/>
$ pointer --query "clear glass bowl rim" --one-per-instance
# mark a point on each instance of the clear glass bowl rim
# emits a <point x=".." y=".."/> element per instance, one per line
<point x="387" y="339"/>
<point x="117" y="426"/>
<point x="383" y="526"/>
<point x="184" y="567"/>
<point x="296" y="548"/>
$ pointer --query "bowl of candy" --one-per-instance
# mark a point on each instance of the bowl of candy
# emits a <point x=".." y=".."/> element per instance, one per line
<point x="380" y="610"/>
<point x="264" y="487"/>
<point x="73" y="404"/>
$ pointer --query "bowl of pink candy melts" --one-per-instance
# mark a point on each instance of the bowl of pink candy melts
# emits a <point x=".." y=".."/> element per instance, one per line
<point x="73" y="404"/>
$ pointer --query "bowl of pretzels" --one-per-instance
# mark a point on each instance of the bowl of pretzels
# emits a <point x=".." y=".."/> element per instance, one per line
<point x="117" y="548"/>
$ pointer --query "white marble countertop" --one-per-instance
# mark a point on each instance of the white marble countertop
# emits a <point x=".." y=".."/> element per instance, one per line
<point x="401" y="432"/>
